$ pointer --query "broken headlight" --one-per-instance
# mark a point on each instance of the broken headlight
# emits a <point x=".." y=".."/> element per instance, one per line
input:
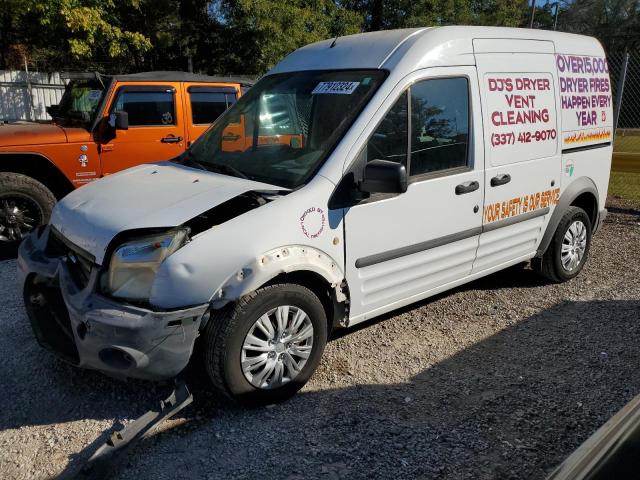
<point x="134" y="264"/>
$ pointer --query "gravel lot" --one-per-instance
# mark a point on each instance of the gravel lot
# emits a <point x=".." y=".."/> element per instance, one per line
<point x="501" y="378"/>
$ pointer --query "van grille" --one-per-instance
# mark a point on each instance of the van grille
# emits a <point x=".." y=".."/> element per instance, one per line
<point x="79" y="262"/>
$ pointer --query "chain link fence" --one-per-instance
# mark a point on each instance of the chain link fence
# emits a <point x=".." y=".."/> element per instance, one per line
<point x="624" y="69"/>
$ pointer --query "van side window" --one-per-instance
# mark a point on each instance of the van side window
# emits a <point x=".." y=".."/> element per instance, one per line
<point x="439" y="125"/>
<point x="147" y="106"/>
<point x="207" y="103"/>
<point x="389" y="141"/>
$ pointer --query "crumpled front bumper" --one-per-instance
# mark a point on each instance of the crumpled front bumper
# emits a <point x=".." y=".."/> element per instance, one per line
<point x="93" y="331"/>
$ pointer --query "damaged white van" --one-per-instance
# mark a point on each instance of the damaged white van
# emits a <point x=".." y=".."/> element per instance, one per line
<point x="360" y="175"/>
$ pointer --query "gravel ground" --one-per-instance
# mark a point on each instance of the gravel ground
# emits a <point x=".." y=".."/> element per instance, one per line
<point x="502" y="378"/>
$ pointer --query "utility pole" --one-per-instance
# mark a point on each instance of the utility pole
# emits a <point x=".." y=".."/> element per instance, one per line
<point x="555" y="21"/>
<point x="533" y="13"/>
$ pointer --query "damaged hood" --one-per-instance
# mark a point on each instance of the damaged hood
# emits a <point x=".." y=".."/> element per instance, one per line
<point x="161" y="195"/>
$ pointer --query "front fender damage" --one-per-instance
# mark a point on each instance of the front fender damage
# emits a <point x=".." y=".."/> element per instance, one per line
<point x="275" y="262"/>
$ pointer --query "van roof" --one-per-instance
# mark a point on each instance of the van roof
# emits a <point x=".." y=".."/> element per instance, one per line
<point x="423" y="47"/>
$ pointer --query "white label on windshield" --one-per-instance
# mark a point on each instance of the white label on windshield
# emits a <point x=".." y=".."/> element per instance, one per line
<point x="335" y="88"/>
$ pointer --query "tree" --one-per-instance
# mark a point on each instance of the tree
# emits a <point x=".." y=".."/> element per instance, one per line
<point x="380" y="15"/>
<point x="615" y="22"/>
<point x="267" y="30"/>
<point x="63" y="33"/>
<point x="501" y="13"/>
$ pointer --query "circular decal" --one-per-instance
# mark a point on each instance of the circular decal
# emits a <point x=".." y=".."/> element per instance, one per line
<point x="167" y="118"/>
<point x="312" y="222"/>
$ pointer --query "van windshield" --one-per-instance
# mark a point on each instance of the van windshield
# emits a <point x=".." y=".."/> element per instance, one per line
<point x="284" y="127"/>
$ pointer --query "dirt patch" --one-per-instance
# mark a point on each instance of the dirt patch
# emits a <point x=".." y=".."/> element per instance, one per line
<point x="501" y="378"/>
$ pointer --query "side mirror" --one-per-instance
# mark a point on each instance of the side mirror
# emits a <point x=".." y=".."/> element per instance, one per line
<point x="119" y="120"/>
<point x="383" y="176"/>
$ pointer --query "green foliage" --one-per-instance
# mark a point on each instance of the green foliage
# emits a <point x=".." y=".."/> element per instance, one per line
<point x="73" y="32"/>
<point x="615" y="22"/>
<point x="250" y="36"/>
<point x="271" y="29"/>
<point x="91" y="27"/>
<point x="502" y="13"/>
<point x="380" y="14"/>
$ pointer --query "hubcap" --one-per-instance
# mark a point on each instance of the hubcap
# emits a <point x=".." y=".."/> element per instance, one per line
<point x="18" y="216"/>
<point x="574" y="245"/>
<point x="277" y="347"/>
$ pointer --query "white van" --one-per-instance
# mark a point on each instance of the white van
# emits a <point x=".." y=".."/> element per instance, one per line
<point x="361" y="174"/>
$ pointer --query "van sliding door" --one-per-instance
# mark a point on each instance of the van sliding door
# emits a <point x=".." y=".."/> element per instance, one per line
<point x="522" y="154"/>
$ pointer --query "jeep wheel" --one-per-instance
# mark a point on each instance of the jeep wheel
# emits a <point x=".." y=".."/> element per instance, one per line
<point x="25" y="204"/>
<point x="569" y="247"/>
<point x="265" y="347"/>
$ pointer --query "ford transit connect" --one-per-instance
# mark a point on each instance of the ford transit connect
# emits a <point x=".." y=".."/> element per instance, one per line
<point x="360" y="175"/>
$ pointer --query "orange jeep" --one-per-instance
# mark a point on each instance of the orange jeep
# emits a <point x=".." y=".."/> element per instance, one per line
<point x="103" y="124"/>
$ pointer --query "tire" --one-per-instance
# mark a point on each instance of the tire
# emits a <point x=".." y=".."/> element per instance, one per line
<point x="225" y="344"/>
<point x="25" y="204"/>
<point x="551" y="264"/>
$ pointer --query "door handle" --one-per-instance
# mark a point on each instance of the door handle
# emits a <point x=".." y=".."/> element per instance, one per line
<point x="171" y="139"/>
<point x="501" y="179"/>
<point x="467" y="187"/>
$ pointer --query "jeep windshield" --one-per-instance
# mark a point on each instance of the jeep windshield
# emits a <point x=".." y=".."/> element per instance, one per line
<point x="284" y="127"/>
<point x="79" y="103"/>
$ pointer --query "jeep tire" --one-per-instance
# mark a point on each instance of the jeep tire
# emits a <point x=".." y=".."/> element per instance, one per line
<point x="25" y="204"/>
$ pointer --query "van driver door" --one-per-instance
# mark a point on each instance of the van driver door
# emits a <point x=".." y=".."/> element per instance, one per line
<point x="403" y="247"/>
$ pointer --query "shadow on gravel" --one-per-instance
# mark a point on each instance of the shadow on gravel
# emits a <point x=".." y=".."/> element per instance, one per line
<point x="511" y="406"/>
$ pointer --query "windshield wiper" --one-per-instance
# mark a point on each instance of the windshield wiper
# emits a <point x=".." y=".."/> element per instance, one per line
<point x="188" y="160"/>
<point x="224" y="168"/>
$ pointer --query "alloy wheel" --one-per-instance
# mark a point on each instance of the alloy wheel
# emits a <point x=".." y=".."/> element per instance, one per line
<point x="19" y="215"/>
<point x="574" y="245"/>
<point x="277" y="347"/>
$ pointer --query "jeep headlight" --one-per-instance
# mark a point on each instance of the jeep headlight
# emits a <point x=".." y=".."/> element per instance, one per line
<point x="134" y="264"/>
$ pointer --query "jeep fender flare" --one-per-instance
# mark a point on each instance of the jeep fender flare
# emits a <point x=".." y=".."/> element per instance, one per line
<point x="283" y="260"/>
<point x="574" y="190"/>
<point x="39" y="167"/>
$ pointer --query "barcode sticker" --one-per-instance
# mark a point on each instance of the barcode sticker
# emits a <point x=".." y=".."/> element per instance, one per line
<point x="335" y="88"/>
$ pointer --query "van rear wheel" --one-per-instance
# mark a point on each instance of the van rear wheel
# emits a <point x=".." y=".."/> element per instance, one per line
<point x="25" y="204"/>
<point x="265" y="347"/>
<point x="569" y="247"/>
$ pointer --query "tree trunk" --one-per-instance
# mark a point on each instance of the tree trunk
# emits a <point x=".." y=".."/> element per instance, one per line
<point x="377" y="12"/>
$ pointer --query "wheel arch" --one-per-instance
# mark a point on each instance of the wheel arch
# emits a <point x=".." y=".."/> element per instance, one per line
<point x="297" y="264"/>
<point x="38" y="167"/>
<point x="583" y="193"/>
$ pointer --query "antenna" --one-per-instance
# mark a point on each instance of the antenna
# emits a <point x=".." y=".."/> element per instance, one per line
<point x="333" y="44"/>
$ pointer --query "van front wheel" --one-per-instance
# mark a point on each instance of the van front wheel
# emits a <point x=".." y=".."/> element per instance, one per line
<point x="569" y="248"/>
<point x="264" y="347"/>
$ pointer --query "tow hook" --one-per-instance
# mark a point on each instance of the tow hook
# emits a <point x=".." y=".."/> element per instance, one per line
<point x="105" y="458"/>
